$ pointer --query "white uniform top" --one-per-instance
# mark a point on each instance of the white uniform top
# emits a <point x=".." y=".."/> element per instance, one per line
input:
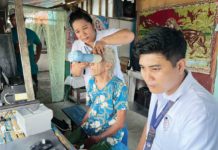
<point x="191" y="123"/>
<point x="80" y="45"/>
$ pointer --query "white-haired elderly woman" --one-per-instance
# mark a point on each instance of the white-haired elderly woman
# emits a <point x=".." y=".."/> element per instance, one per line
<point x="107" y="105"/>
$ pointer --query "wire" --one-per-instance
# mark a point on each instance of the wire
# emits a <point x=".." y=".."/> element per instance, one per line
<point x="5" y="77"/>
<point x="7" y="94"/>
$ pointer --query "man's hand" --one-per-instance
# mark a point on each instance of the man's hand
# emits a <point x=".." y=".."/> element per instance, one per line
<point x="38" y="52"/>
<point x="36" y="58"/>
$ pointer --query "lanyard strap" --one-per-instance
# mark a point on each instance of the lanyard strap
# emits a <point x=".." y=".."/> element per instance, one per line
<point x="155" y="122"/>
<point x="87" y="49"/>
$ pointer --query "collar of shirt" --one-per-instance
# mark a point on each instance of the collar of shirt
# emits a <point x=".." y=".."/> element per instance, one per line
<point x="164" y="98"/>
<point x="161" y="103"/>
<point x="97" y="35"/>
<point x="182" y="88"/>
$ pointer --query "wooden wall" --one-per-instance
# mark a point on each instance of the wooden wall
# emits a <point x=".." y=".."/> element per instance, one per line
<point x="145" y="4"/>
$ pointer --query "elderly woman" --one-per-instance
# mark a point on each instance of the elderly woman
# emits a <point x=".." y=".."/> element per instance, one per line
<point x="107" y="104"/>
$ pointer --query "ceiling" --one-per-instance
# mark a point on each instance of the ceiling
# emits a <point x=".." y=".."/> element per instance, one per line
<point x="47" y="3"/>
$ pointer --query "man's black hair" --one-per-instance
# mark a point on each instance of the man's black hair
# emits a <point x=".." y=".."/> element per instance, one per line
<point x="11" y="16"/>
<point x="166" y="41"/>
<point x="79" y="14"/>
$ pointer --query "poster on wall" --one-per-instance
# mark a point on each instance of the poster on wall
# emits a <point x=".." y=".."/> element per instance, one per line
<point x="196" y="21"/>
<point x="70" y="38"/>
<point x="70" y="35"/>
<point x="100" y="22"/>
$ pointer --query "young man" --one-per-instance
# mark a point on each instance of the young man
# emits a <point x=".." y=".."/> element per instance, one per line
<point x="107" y="104"/>
<point x="91" y="40"/>
<point x="32" y="40"/>
<point x="182" y="114"/>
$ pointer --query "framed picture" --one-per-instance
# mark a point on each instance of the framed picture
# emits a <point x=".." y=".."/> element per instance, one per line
<point x="197" y="21"/>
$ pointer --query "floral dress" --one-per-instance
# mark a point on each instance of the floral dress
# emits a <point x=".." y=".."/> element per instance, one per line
<point x="104" y="105"/>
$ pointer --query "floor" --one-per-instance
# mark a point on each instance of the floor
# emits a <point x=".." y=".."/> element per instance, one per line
<point x="136" y="115"/>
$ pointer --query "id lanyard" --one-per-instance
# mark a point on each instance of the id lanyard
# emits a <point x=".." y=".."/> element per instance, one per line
<point x="155" y="122"/>
<point x="87" y="49"/>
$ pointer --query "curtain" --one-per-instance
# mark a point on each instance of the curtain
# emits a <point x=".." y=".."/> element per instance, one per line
<point x="56" y="45"/>
<point x="52" y="24"/>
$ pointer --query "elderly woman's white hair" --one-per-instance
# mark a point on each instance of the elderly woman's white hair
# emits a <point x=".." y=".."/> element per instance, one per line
<point x="109" y="56"/>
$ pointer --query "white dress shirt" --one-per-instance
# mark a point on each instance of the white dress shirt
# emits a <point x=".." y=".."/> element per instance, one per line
<point x="191" y="123"/>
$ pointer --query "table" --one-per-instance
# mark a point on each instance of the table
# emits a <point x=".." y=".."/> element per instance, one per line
<point x="78" y="88"/>
<point x="11" y="136"/>
<point x="132" y="76"/>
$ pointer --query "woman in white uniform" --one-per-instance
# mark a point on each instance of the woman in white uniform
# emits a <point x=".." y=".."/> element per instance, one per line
<point x="92" y="41"/>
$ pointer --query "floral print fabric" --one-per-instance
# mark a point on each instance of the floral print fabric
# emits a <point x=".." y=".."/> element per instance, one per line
<point x="104" y="105"/>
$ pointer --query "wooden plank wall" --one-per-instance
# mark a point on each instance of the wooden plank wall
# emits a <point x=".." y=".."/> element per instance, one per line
<point x="145" y="4"/>
<point x="24" y="49"/>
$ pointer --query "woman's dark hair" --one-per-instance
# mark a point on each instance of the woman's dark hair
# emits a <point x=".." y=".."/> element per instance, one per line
<point x="166" y="41"/>
<point x="79" y="14"/>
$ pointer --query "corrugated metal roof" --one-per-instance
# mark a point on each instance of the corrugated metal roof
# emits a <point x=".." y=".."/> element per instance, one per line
<point x="44" y="3"/>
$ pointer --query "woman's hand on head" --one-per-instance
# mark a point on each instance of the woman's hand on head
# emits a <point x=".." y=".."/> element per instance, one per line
<point x="99" y="47"/>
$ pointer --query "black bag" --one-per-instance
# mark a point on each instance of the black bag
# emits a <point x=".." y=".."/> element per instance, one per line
<point x="3" y="80"/>
<point x="134" y="60"/>
<point x="143" y="96"/>
<point x="60" y="124"/>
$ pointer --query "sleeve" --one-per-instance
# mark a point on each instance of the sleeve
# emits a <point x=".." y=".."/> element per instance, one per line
<point x="199" y="132"/>
<point x="36" y="39"/>
<point x="88" y="93"/>
<point x="121" y="102"/>
<point x="74" y="46"/>
<point x="88" y="100"/>
<point x="14" y="36"/>
<point x="107" y="32"/>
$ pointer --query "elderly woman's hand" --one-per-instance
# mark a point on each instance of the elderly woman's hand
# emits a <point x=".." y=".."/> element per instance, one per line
<point x="92" y="140"/>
